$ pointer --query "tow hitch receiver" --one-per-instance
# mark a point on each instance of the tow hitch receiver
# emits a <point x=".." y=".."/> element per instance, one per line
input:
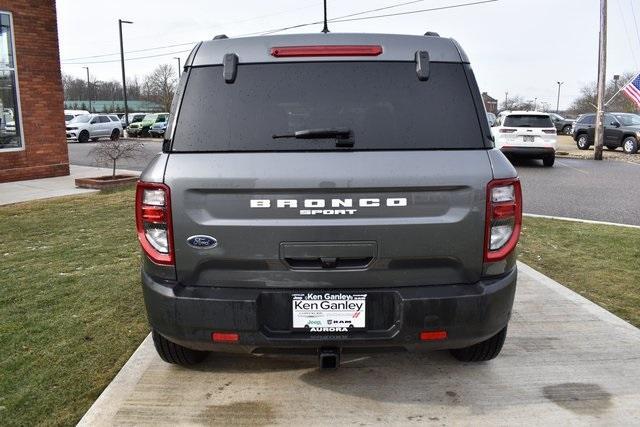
<point x="329" y="358"/>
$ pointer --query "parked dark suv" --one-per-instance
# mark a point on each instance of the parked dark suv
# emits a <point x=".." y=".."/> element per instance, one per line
<point x="620" y="130"/>
<point x="562" y="124"/>
<point x="324" y="192"/>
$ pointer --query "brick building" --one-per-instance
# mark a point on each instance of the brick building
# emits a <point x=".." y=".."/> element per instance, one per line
<point x="32" y="134"/>
<point x="490" y="104"/>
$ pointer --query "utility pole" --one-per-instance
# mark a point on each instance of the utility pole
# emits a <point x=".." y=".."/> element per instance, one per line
<point x="506" y="97"/>
<point x="88" y="87"/>
<point x="535" y="104"/>
<point x="179" y="68"/>
<point x="558" y="103"/>
<point x="602" y="72"/>
<point x="124" y="78"/>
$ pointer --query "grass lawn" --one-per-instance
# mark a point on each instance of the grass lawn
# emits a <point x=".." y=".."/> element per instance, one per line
<point x="600" y="262"/>
<point x="71" y="309"/>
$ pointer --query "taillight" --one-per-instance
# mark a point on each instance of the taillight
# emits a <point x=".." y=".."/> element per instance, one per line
<point x="326" y="50"/>
<point x="550" y="131"/>
<point x="153" y="221"/>
<point x="504" y="218"/>
<point x="503" y="130"/>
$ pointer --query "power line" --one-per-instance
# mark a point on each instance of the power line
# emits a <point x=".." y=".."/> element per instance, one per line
<point x="347" y="18"/>
<point x="633" y="12"/>
<point x="128" y="59"/>
<point x="626" y="30"/>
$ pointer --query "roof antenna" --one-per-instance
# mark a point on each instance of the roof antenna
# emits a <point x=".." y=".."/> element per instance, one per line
<point x="325" y="29"/>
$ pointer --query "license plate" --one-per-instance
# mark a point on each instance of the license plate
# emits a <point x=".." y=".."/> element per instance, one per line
<point x="529" y="138"/>
<point x="329" y="312"/>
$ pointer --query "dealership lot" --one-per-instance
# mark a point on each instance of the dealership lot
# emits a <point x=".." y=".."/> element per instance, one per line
<point x="565" y="361"/>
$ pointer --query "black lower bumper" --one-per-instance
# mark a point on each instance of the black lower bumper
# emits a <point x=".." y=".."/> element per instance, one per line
<point x="395" y="317"/>
<point x="536" y="152"/>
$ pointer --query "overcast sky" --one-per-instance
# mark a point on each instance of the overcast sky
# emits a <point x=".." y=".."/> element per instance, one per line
<point x="518" y="46"/>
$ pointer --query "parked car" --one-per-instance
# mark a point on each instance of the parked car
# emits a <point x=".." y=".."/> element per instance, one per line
<point x="70" y="114"/>
<point x="84" y="127"/>
<point x="295" y="208"/>
<point x="157" y="129"/>
<point x="141" y="128"/>
<point x="620" y="130"/>
<point x="526" y="134"/>
<point x="491" y="118"/>
<point x="563" y="125"/>
<point x="133" y="118"/>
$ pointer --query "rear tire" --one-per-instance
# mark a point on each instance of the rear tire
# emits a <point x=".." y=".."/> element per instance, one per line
<point x="583" y="142"/>
<point x="549" y="160"/>
<point x="174" y="353"/>
<point x="566" y="130"/>
<point x="115" y="135"/>
<point x="483" y="351"/>
<point x="630" y="145"/>
<point x="83" y="136"/>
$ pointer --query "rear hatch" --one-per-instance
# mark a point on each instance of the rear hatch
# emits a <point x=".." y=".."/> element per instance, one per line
<point x="401" y="203"/>
<point x="530" y="129"/>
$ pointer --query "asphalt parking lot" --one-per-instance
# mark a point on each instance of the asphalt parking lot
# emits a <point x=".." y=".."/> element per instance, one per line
<point x="566" y="361"/>
<point x="576" y="188"/>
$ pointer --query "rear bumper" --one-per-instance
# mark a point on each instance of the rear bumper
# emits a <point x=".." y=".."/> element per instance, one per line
<point x="529" y="151"/>
<point x="395" y="316"/>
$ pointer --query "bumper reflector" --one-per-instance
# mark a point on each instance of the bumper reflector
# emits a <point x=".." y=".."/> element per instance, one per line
<point x="433" y="335"/>
<point x="225" y="337"/>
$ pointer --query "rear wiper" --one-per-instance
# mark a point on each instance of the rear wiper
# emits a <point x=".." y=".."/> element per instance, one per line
<point x="343" y="136"/>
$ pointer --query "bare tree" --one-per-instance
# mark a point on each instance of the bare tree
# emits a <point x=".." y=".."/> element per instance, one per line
<point x="586" y="101"/>
<point x="516" y="103"/>
<point x="110" y="152"/>
<point x="160" y="85"/>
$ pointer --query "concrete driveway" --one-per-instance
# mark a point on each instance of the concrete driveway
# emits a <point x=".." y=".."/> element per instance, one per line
<point x="565" y="361"/>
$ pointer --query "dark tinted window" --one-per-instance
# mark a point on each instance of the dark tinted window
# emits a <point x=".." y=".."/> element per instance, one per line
<point x="382" y="103"/>
<point x="587" y="120"/>
<point x="528" y="121"/>
<point x="104" y="119"/>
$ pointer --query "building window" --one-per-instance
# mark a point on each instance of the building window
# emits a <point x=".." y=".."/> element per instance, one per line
<point x="10" y="128"/>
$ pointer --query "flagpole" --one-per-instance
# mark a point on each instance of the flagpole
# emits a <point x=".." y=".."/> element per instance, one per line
<point x="621" y="89"/>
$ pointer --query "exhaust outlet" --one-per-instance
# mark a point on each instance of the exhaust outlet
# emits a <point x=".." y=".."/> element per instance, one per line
<point x="329" y="358"/>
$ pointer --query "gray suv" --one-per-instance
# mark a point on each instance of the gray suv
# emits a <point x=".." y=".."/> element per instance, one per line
<point x="328" y="192"/>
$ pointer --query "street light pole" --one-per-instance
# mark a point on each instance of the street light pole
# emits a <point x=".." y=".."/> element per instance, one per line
<point x="124" y="78"/>
<point x="88" y="87"/>
<point x="602" y="71"/>
<point x="558" y="103"/>
<point x="179" y="68"/>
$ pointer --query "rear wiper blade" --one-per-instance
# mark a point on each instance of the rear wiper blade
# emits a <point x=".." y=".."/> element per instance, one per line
<point x="343" y="136"/>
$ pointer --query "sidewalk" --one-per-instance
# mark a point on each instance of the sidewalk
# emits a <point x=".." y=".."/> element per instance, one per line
<point x="24" y="191"/>
<point x="566" y="361"/>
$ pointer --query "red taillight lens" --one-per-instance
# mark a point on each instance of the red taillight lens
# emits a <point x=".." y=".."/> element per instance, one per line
<point x="433" y="335"/>
<point x="153" y="221"/>
<point x="327" y="50"/>
<point x="225" y="337"/>
<point x="507" y="130"/>
<point x="503" y="218"/>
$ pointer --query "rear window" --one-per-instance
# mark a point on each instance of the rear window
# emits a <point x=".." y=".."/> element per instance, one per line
<point x="528" y="121"/>
<point x="383" y="103"/>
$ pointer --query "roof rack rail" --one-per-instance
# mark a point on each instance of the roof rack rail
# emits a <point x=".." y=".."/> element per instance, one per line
<point x="432" y="34"/>
<point x="220" y="36"/>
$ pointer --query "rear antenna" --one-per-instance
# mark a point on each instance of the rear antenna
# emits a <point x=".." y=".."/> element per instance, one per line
<point x="325" y="29"/>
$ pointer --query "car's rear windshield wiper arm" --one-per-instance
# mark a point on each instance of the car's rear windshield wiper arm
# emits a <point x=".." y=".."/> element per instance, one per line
<point x="342" y="136"/>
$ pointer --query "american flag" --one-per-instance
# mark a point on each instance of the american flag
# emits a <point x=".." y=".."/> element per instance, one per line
<point x="632" y="90"/>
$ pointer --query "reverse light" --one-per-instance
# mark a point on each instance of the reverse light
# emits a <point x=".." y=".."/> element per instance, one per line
<point x="503" y="218"/>
<point x="225" y="337"/>
<point x="326" y="50"/>
<point x="153" y="221"/>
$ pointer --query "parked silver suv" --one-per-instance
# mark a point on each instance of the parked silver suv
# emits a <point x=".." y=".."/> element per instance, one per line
<point x="324" y="192"/>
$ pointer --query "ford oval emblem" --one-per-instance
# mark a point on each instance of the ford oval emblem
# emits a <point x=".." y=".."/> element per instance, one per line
<point x="202" y="242"/>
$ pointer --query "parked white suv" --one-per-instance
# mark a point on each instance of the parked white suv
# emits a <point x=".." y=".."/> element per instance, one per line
<point x="94" y="126"/>
<point x="526" y="134"/>
<point x="70" y="114"/>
